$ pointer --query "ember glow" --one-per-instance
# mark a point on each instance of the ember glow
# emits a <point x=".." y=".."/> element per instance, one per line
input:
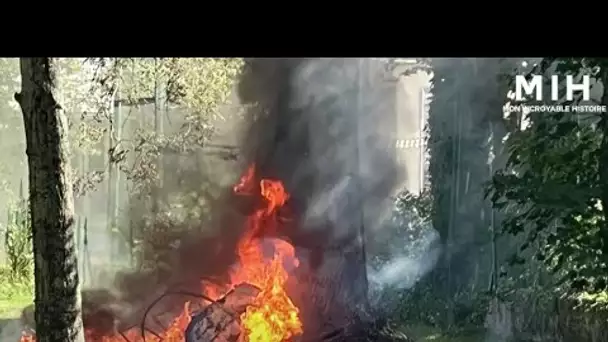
<point x="272" y="317"/>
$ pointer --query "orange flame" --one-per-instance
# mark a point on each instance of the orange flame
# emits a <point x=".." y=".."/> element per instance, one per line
<point x="272" y="317"/>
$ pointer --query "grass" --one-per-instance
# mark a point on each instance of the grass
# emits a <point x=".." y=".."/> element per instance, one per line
<point x="14" y="295"/>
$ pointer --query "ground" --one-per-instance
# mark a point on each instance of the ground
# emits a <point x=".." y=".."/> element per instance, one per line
<point x="14" y="299"/>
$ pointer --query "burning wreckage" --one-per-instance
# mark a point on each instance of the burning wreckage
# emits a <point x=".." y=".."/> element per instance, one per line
<point x="273" y="293"/>
<point x="257" y="308"/>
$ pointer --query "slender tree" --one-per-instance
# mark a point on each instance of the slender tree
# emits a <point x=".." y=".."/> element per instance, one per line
<point x="465" y="137"/>
<point x="57" y="293"/>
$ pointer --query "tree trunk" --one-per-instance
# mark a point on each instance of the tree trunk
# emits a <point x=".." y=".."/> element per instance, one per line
<point x="159" y="111"/>
<point x="604" y="157"/>
<point x="57" y="290"/>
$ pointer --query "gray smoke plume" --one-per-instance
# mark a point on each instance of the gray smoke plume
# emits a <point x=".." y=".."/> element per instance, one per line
<point x="11" y="331"/>
<point x="407" y="263"/>
<point x="326" y="127"/>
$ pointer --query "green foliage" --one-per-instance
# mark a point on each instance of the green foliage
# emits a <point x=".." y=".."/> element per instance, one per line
<point x="421" y="205"/>
<point x="551" y="190"/>
<point x="200" y="86"/>
<point x="79" y="97"/>
<point x="15" y="294"/>
<point x="409" y="226"/>
<point x="408" y="234"/>
<point x="422" y="304"/>
<point x="18" y="242"/>
<point x="197" y="88"/>
<point x="11" y="288"/>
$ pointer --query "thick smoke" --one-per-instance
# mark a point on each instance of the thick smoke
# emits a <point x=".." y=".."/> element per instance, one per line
<point x="326" y="127"/>
<point x="328" y="133"/>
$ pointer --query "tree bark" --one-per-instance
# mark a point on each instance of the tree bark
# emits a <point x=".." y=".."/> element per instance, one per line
<point x="603" y="162"/>
<point x="57" y="290"/>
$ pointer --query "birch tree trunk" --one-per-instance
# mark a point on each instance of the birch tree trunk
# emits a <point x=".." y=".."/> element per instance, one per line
<point x="57" y="293"/>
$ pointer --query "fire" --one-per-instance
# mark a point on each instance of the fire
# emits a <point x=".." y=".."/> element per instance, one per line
<point x="272" y="317"/>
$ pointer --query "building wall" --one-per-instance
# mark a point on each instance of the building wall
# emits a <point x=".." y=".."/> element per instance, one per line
<point x="411" y="119"/>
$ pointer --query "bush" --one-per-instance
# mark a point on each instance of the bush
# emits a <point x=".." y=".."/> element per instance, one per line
<point x="14" y="288"/>
<point x="18" y="242"/>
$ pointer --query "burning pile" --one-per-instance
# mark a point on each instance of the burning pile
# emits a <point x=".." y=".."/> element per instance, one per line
<point x="269" y="315"/>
